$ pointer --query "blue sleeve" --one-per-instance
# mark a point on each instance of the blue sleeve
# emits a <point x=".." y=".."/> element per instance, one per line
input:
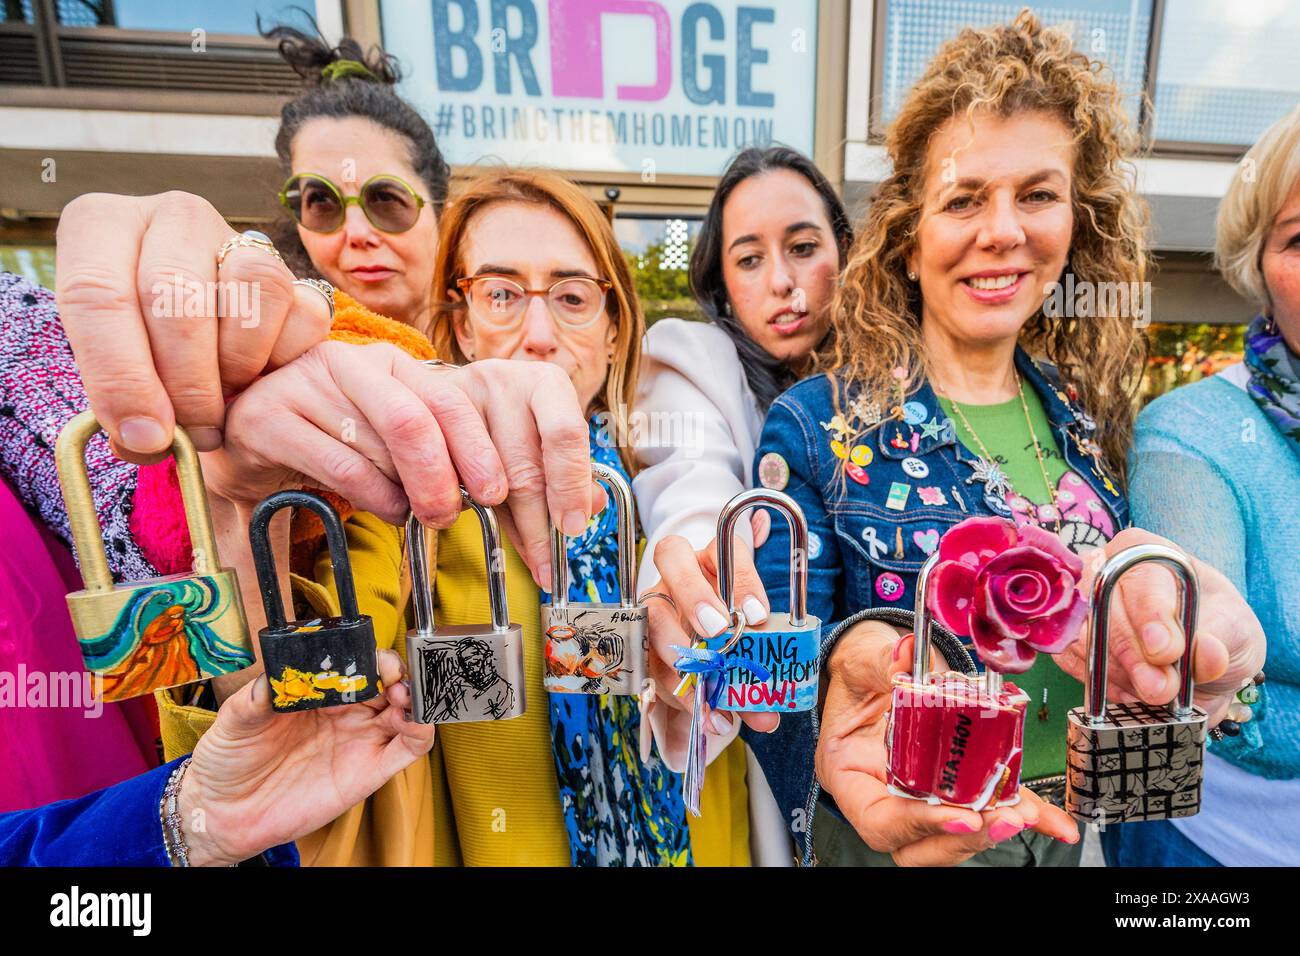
<point x="787" y="755"/>
<point x="785" y="433"/>
<point x="116" y="826"/>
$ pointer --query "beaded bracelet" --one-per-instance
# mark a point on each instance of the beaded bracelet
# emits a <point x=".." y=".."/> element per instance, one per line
<point x="1239" y="711"/>
<point x="170" y="816"/>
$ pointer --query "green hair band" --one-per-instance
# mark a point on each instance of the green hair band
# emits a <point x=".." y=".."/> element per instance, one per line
<point x="341" y="68"/>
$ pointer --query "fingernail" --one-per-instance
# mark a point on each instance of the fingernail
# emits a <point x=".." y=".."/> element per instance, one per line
<point x="1069" y="842"/>
<point x="711" y="620"/>
<point x="959" y="827"/>
<point x="205" y="438"/>
<point x="544" y="572"/>
<point x="1155" y="637"/>
<point x="573" y="523"/>
<point x="1002" y="830"/>
<point x="494" y="492"/>
<point x="898" y="645"/>
<point x="144" y="436"/>
<point x="755" y="613"/>
<point x="720" y="723"/>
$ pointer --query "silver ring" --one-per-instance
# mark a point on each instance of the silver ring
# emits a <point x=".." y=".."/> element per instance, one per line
<point x="324" y="288"/>
<point x="439" y="363"/>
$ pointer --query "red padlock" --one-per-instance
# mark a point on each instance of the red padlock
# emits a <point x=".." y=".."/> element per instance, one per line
<point x="953" y="738"/>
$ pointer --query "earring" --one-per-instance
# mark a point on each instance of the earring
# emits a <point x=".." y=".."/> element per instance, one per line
<point x="1270" y="325"/>
<point x="911" y="276"/>
<point x="726" y="308"/>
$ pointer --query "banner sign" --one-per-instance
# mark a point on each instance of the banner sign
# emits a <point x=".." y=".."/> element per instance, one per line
<point x="641" y="86"/>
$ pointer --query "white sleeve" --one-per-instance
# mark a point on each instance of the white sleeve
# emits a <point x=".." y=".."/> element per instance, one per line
<point x="695" y="429"/>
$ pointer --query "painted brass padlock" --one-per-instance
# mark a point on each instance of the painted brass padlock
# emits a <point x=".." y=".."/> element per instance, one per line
<point x="323" y="661"/>
<point x="1130" y="762"/>
<point x="463" y="673"/>
<point x="597" y="648"/>
<point x="770" y="667"/>
<point x="143" y="636"/>
<point x="953" y="738"/>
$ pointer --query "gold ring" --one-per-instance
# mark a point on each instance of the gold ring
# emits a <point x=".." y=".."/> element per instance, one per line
<point x="249" y="239"/>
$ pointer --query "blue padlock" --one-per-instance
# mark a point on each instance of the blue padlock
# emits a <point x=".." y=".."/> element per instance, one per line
<point x="769" y="667"/>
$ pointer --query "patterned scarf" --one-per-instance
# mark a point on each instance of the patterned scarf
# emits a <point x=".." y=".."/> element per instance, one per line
<point x="1274" y="378"/>
<point x="618" y="811"/>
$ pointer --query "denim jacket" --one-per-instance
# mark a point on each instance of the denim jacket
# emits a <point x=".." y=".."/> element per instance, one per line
<point x="919" y="481"/>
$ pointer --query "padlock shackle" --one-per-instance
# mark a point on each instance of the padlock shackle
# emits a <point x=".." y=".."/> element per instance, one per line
<point x="1098" y="656"/>
<point x="922" y="621"/>
<point x="625" y="511"/>
<point x="794" y="517"/>
<point x="417" y="544"/>
<point x="79" y="503"/>
<point x="259" y="538"/>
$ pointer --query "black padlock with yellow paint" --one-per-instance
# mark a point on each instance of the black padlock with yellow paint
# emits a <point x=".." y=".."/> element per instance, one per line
<point x="324" y="661"/>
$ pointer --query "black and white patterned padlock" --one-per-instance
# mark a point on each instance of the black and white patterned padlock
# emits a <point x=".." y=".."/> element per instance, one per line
<point x="463" y="673"/>
<point x="597" y="648"/>
<point x="1133" y="761"/>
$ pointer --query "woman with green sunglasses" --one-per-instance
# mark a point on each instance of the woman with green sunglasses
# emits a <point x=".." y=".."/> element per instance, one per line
<point x="349" y="140"/>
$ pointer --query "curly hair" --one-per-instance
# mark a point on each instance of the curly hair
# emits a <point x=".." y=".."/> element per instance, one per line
<point x="1006" y="70"/>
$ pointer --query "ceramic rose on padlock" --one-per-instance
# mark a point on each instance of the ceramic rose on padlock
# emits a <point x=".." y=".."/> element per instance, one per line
<point x="955" y="738"/>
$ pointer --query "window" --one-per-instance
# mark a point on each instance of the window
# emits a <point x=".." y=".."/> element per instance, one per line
<point x="177" y="16"/>
<point x="16" y="11"/>
<point x="658" y="251"/>
<point x="1114" y="31"/>
<point x="1225" y="71"/>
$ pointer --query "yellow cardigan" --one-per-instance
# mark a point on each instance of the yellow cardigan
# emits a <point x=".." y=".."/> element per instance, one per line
<point x="487" y="795"/>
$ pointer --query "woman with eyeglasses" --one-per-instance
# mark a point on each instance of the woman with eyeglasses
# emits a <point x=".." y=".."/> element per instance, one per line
<point x="532" y="272"/>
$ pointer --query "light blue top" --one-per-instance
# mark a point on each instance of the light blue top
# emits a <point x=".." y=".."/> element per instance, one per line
<point x="1211" y="472"/>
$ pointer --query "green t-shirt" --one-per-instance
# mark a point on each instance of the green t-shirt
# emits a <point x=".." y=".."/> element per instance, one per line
<point x="1003" y="430"/>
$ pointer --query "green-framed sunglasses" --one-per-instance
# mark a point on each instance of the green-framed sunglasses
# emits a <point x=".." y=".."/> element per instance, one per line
<point x="317" y="204"/>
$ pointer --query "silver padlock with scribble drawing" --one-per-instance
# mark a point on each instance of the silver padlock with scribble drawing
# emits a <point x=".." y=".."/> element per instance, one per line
<point x="463" y="673"/>
<point x="1133" y="761"/>
<point x="597" y="648"/>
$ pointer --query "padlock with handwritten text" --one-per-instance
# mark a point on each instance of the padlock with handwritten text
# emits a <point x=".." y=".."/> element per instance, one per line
<point x="953" y="738"/>
<point x="143" y="636"/>
<point x="770" y="666"/>
<point x="463" y="673"/>
<point x="597" y="648"/>
<point x="320" y="661"/>
<point x="1133" y="761"/>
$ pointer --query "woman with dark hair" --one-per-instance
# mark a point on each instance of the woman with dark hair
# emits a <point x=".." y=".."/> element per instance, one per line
<point x="349" y="139"/>
<point x="763" y="271"/>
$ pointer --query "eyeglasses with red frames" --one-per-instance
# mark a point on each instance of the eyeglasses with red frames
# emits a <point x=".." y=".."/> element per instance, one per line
<point x="575" y="302"/>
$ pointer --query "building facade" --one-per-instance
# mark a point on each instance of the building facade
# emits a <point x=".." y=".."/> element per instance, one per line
<point x="641" y="101"/>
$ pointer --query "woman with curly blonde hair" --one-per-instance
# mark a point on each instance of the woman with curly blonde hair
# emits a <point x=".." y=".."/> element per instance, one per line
<point x="985" y="361"/>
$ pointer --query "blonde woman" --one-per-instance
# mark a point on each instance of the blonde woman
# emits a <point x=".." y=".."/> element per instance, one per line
<point x="955" y="394"/>
<point x="1216" y="466"/>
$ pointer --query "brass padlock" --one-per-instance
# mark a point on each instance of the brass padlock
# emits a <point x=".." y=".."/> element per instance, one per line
<point x="324" y="661"/>
<point x="143" y="636"/>
<point x="597" y="648"/>
<point x="1130" y="762"/>
<point x="463" y="673"/>
<point x="770" y="666"/>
